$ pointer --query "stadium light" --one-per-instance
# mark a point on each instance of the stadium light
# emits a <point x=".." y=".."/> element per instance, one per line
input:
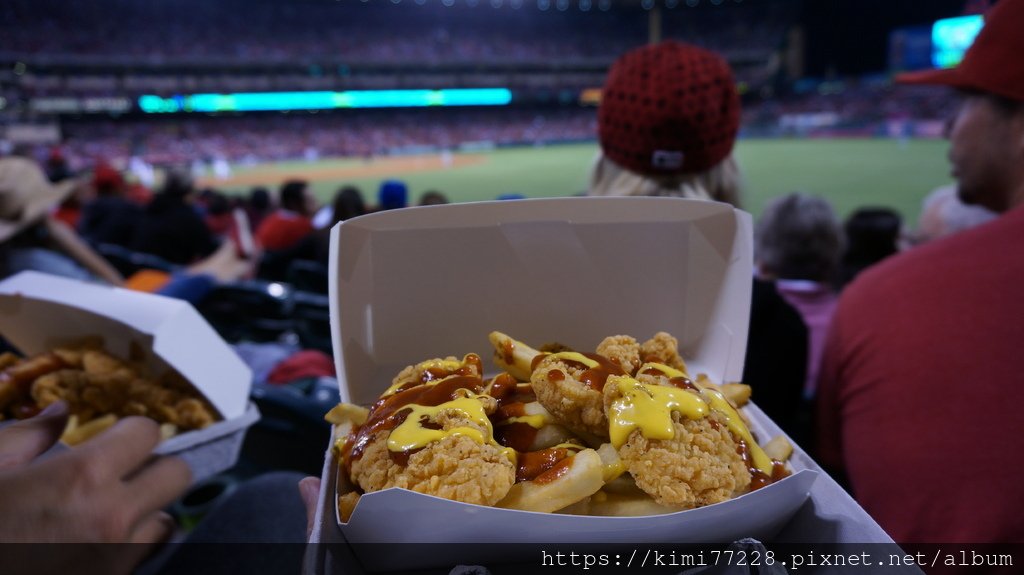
<point x="604" y="5"/>
<point x="585" y="5"/>
<point x="647" y="4"/>
<point x="562" y="5"/>
<point x="951" y="37"/>
<point x="289" y="101"/>
<point x="543" y="4"/>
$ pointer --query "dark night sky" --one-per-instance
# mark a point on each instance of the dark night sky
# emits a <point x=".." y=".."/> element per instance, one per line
<point x="851" y="37"/>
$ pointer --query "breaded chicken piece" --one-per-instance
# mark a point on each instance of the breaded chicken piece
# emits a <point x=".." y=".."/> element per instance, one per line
<point x="623" y="350"/>
<point x="456" y="467"/>
<point x="699" y="466"/>
<point x="572" y="404"/>
<point x="433" y="369"/>
<point x="663" y="348"/>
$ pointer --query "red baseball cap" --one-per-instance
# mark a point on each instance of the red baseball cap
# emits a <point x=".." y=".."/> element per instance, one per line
<point x="995" y="61"/>
<point x="668" y="108"/>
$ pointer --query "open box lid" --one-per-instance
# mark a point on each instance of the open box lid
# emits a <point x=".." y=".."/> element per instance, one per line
<point x="412" y="284"/>
<point x="40" y="312"/>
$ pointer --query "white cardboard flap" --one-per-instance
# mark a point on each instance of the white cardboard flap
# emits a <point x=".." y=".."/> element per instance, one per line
<point x="40" y="311"/>
<point x="413" y="284"/>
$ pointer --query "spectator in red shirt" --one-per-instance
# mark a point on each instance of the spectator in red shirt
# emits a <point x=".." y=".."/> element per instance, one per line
<point x="920" y="389"/>
<point x="291" y="222"/>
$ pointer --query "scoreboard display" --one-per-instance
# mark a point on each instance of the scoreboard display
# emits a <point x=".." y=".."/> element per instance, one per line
<point x="939" y="45"/>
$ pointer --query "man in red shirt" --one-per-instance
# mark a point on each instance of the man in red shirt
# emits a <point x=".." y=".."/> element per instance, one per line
<point x="291" y="222"/>
<point x="921" y="391"/>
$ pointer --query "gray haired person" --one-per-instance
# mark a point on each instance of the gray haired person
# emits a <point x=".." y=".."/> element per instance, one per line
<point x="797" y="244"/>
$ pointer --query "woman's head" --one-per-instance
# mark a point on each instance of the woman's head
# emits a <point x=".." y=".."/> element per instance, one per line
<point x="669" y="115"/>
<point x="798" y="237"/>
<point x="348" y="203"/>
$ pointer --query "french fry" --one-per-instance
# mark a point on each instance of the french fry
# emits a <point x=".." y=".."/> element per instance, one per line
<point x="737" y="393"/>
<point x="168" y="430"/>
<point x="347" y="504"/>
<point x="76" y="433"/>
<point x="7" y="359"/>
<point x="583" y="478"/>
<point x="613" y="466"/>
<point x="623" y="485"/>
<point x="347" y="412"/>
<point x="779" y="448"/>
<point x="513" y="356"/>
<point x="581" y="507"/>
<point x="625" y="505"/>
<point x="551" y="435"/>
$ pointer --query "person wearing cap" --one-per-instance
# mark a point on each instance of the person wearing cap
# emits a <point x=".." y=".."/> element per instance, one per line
<point x="109" y="218"/>
<point x="29" y="239"/>
<point x="667" y="124"/>
<point x="392" y="195"/>
<point x="32" y="240"/>
<point x="287" y="225"/>
<point x="921" y="389"/>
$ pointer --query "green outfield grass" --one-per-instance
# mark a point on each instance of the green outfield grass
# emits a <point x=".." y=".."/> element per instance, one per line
<point x="850" y="173"/>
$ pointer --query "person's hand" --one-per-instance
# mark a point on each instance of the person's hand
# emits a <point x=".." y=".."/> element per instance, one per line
<point x="309" y="490"/>
<point x="109" y="490"/>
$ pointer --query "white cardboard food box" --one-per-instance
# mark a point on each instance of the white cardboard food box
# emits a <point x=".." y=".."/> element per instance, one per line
<point x="413" y="284"/>
<point x="41" y="311"/>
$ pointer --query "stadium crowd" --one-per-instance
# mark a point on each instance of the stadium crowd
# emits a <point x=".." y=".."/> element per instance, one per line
<point x="877" y="109"/>
<point x="191" y="30"/>
<point x="886" y="354"/>
<point x="254" y="139"/>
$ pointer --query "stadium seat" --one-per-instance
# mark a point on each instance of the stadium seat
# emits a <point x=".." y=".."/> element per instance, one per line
<point x="310" y="314"/>
<point x="249" y="310"/>
<point x="119" y="257"/>
<point x="291" y="432"/>
<point x="129" y="262"/>
<point x="308" y="276"/>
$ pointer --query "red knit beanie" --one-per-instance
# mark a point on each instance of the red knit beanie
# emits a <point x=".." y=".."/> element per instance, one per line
<point x="669" y="108"/>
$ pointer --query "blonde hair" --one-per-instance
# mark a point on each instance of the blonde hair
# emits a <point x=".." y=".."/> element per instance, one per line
<point x="721" y="183"/>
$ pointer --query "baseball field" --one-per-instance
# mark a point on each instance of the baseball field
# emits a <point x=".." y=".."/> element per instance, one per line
<point x="850" y="173"/>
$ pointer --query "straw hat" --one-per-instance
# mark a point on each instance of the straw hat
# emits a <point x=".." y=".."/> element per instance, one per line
<point x="26" y="195"/>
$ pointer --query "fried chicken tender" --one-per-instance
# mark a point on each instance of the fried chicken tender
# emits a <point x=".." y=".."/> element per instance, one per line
<point x="572" y="403"/>
<point x="663" y="348"/>
<point x="699" y="466"/>
<point x="433" y="369"/>
<point x="623" y="350"/>
<point x="456" y="467"/>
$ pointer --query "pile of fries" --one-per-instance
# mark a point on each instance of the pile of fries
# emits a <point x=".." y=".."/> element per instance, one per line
<point x="622" y="432"/>
<point x="99" y="389"/>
